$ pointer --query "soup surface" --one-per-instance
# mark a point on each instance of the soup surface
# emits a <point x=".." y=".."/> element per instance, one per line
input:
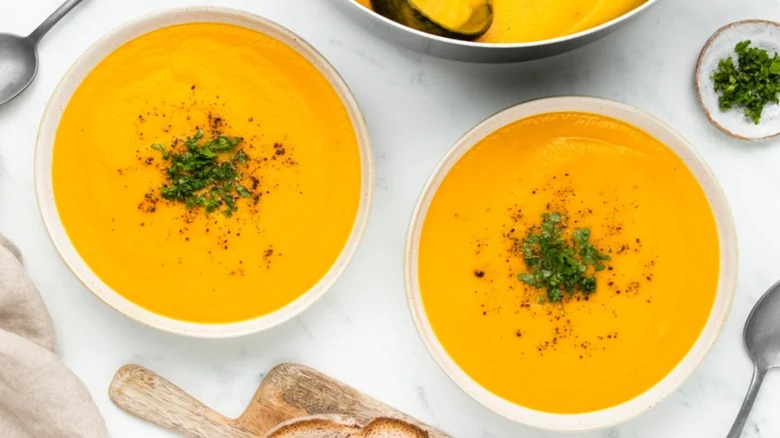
<point x="587" y="352"/>
<point x="517" y="21"/>
<point x="300" y="169"/>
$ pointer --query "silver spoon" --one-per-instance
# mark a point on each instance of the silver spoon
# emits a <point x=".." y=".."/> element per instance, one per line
<point x="19" y="57"/>
<point x="762" y="338"/>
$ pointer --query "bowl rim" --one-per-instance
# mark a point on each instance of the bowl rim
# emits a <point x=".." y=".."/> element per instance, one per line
<point x="60" y="98"/>
<point x="497" y="46"/>
<point x="718" y="314"/>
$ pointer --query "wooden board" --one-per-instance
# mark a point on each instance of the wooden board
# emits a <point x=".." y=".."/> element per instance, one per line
<point x="289" y="391"/>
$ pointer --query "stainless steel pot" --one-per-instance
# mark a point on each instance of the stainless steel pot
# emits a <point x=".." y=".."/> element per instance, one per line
<point x="481" y="52"/>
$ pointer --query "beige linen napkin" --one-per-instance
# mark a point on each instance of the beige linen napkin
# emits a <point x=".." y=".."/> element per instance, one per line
<point x="39" y="396"/>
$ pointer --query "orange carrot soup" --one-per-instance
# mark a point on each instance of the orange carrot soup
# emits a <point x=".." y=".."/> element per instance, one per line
<point x="516" y="21"/>
<point x="568" y="262"/>
<point x="207" y="172"/>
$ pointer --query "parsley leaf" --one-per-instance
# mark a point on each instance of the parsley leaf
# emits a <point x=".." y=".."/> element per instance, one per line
<point x="751" y="84"/>
<point x="204" y="173"/>
<point x="557" y="265"/>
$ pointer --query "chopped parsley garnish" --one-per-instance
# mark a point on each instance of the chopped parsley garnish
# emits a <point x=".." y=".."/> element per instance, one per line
<point x="751" y="84"/>
<point x="557" y="265"/>
<point x="204" y="173"/>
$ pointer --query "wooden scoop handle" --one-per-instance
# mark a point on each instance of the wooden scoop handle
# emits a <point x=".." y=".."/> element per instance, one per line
<point x="146" y="395"/>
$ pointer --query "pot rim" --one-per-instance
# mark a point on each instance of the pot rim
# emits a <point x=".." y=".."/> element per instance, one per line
<point x="502" y="46"/>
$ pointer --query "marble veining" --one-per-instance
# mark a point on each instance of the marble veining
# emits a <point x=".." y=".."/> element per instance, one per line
<point x="416" y="107"/>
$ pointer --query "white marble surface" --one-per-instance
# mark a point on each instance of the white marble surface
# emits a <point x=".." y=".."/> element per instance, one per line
<point x="416" y="107"/>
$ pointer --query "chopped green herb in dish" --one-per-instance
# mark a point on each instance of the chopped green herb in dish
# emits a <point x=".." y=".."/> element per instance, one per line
<point x="751" y="83"/>
<point x="204" y="173"/>
<point x="558" y="265"/>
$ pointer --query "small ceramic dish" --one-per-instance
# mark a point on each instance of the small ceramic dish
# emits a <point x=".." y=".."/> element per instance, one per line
<point x="714" y="323"/>
<point x="43" y="168"/>
<point x="764" y="35"/>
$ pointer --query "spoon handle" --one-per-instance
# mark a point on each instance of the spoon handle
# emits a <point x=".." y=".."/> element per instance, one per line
<point x="747" y="405"/>
<point x="41" y="30"/>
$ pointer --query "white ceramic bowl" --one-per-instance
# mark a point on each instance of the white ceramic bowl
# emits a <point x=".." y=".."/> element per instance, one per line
<point x="720" y="309"/>
<point x="60" y="99"/>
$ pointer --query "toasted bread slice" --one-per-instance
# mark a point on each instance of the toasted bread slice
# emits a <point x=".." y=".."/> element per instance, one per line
<point x="330" y="426"/>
